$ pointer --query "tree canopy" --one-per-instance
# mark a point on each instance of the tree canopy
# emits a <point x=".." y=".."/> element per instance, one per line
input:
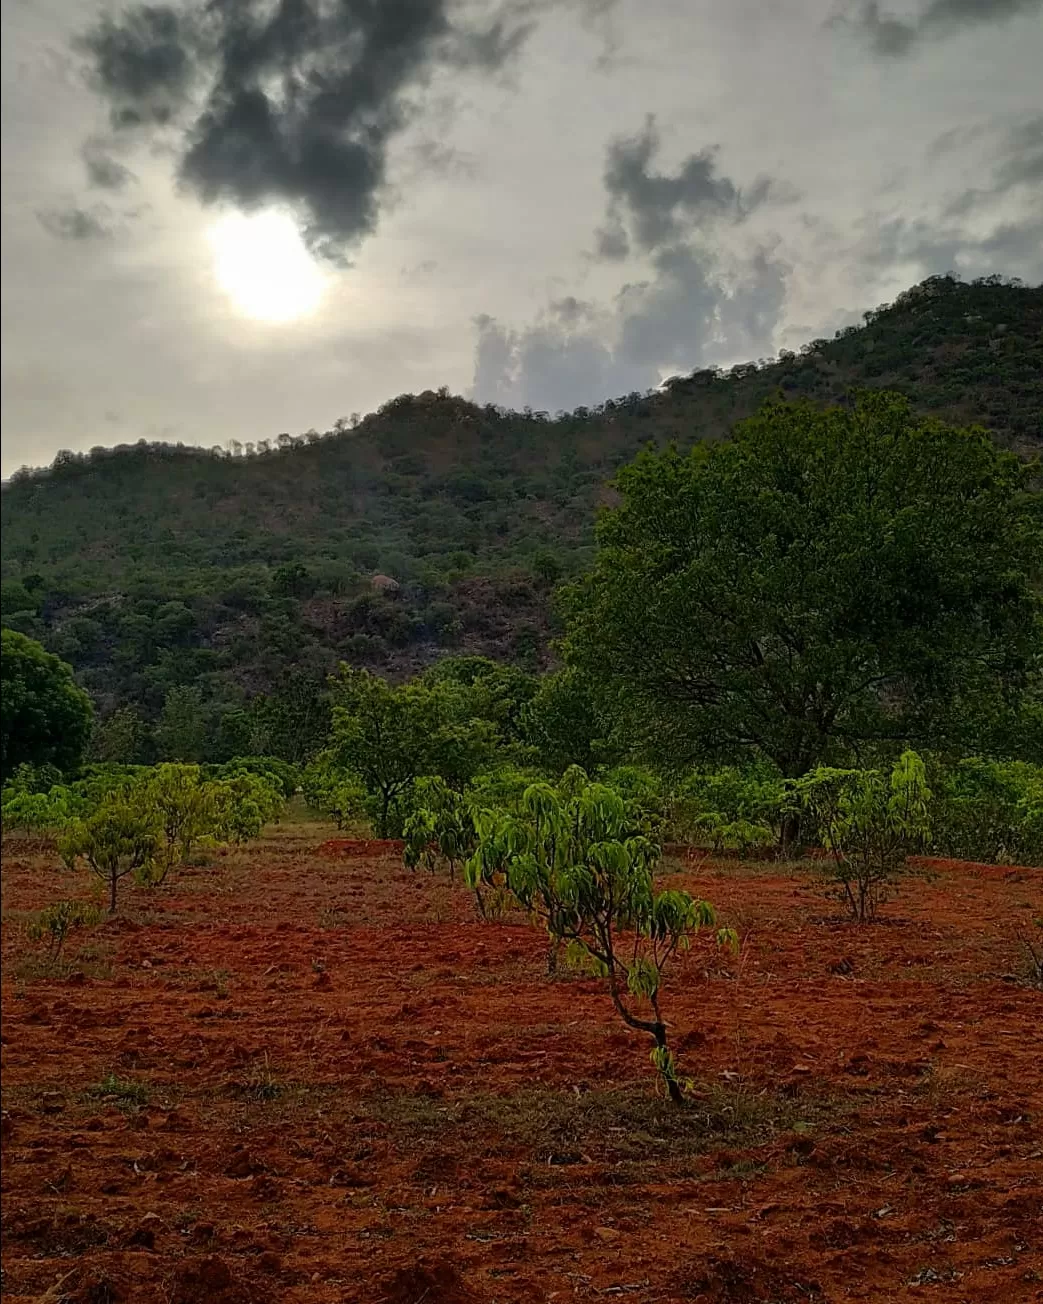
<point x="827" y="579"/>
<point x="387" y="736"/>
<point x="45" y="718"/>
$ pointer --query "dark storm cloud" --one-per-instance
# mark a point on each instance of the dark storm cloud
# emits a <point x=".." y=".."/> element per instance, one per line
<point x="295" y="102"/>
<point x="144" y="62"/>
<point x="104" y="171"/>
<point x="1011" y="248"/>
<point x="77" y="223"/>
<point x="690" y="314"/>
<point x="892" y="36"/>
<point x="658" y="207"/>
<point x="685" y="314"/>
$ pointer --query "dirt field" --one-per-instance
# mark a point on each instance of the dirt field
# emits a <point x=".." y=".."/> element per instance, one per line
<point x="298" y="1077"/>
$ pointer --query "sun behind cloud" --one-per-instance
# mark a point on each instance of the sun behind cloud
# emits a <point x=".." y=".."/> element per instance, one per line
<point x="262" y="264"/>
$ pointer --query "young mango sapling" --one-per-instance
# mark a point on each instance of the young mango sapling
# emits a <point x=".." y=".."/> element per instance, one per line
<point x="572" y="859"/>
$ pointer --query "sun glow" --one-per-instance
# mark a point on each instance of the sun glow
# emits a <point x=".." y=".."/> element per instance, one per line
<point x="261" y="263"/>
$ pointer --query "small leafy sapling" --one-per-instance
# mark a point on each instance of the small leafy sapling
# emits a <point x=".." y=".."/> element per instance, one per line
<point x="571" y="859"/>
<point x="241" y="806"/>
<point x="55" y="922"/>
<point x="870" y="822"/>
<point x="440" y="828"/>
<point x="117" y="839"/>
<point x="184" y="805"/>
<point x="333" y="791"/>
<point x="486" y="871"/>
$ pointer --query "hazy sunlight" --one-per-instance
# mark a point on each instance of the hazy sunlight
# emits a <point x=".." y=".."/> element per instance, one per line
<point x="262" y="264"/>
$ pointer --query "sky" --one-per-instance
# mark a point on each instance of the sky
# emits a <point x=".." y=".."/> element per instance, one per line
<point x="228" y="220"/>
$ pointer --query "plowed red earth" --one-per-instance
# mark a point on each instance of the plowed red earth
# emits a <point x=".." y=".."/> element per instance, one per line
<point x="373" y="847"/>
<point x="294" y="1078"/>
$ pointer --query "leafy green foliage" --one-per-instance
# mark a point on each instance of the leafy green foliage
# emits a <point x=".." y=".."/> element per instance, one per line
<point x="144" y="821"/>
<point x="870" y="822"/>
<point x="989" y="810"/>
<point x="33" y="778"/>
<point x="563" y="723"/>
<point x="182" y="729"/>
<point x="825" y="578"/>
<point x="55" y="922"/>
<point x="123" y="736"/>
<point x="184" y="809"/>
<point x="644" y="795"/>
<point x="496" y="692"/>
<point x="388" y="736"/>
<point x="242" y="805"/>
<point x="334" y="791"/>
<point x="45" y="718"/>
<point x="116" y="839"/>
<point x="39" y="812"/>
<point x="736" y="809"/>
<point x="277" y="773"/>
<point x="572" y="858"/>
<point x="440" y="827"/>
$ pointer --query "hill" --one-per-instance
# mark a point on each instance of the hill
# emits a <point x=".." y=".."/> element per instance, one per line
<point x="236" y="572"/>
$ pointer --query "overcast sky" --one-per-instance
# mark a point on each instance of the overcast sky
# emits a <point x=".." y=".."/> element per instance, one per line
<point x="544" y="202"/>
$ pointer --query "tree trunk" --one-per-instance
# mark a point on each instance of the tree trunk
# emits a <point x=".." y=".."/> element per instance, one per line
<point x="657" y="1031"/>
<point x="552" y="955"/>
<point x="793" y="767"/>
<point x="113" y="880"/>
<point x="673" y="1087"/>
<point x="789" y="834"/>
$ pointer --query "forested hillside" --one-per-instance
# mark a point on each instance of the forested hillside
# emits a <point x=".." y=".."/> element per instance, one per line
<point x="209" y="580"/>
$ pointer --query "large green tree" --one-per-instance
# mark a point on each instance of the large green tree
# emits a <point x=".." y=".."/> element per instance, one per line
<point x="181" y="734"/>
<point x="562" y="723"/>
<point x="496" y="691"/>
<point x="389" y="735"/>
<point x="45" y="717"/>
<point x="826" y="579"/>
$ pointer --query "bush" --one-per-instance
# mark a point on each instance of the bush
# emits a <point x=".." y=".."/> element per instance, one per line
<point x="440" y="826"/>
<point x="333" y="791"/>
<point x="54" y="923"/>
<point x="40" y="812"/>
<point x="275" y="772"/>
<point x="146" y="821"/>
<point x="734" y="809"/>
<point x="989" y="811"/>
<point x="242" y="806"/>
<point x="870" y="822"/>
<point x="184" y="809"/>
<point x="644" y="796"/>
<point x="387" y="736"/>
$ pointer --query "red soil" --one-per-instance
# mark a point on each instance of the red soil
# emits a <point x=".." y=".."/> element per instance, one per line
<point x="356" y="1092"/>
<point x="373" y="847"/>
